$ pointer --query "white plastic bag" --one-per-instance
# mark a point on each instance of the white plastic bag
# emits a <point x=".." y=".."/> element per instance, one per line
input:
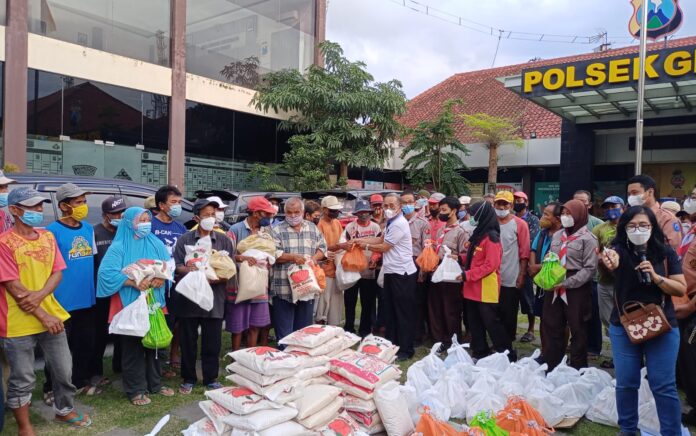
<point x="449" y="270"/>
<point x="548" y="405"/>
<point x="530" y="362"/>
<point x="603" y="409"/>
<point x="132" y="320"/>
<point x="437" y="405"/>
<point x="303" y="283"/>
<point x="595" y="377"/>
<point x="393" y="409"/>
<point x="417" y="378"/>
<point x="199" y="255"/>
<point x="483" y="401"/>
<point x="648" y="420"/>
<point x="380" y="278"/>
<point x="433" y="366"/>
<point x="563" y="374"/>
<point x="253" y="281"/>
<point x="196" y="288"/>
<point x="496" y="363"/>
<point x="345" y="279"/>
<point x="453" y="394"/>
<point x="457" y="354"/>
<point x="577" y="398"/>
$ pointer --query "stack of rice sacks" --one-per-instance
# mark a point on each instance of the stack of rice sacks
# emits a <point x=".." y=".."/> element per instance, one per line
<point x="359" y="374"/>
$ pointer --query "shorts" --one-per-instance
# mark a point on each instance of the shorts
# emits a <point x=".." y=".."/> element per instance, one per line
<point x="527" y="297"/>
<point x="239" y="317"/>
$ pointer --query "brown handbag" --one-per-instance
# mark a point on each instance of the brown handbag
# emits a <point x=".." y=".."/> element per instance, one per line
<point x="643" y="322"/>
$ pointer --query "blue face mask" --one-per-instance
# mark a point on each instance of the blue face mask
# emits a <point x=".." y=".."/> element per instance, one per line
<point x="612" y="214"/>
<point x="265" y="222"/>
<point x="115" y="222"/>
<point x="142" y="230"/>
<point x="3" y="199"/>
<point x="473" y="222"/>
<point x="461" y="214"/>
<point x="175" y="211"/>
<point x="408" y="209"/>
<point x="32" y="218"/>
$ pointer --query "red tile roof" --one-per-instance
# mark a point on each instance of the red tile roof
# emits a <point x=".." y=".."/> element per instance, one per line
<point x="482" y="92"/>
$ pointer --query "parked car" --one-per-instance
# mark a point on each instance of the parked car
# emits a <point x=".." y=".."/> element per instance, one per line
<point x="134" y="193"/>
<point x="347" y="198"/>
<point x="237" y="202"/>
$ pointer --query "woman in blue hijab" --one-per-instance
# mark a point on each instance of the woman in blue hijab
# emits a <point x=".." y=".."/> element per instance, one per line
<point x="134" y="241"/>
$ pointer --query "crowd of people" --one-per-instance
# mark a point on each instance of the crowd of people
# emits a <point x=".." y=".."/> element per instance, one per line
<point x="61" y="284"/>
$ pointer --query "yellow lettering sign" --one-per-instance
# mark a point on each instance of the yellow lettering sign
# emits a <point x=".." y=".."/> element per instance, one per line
<point x="618" y="70"/>
<point x="554" y="79"/>
<point x="678" y="63"/>
<point x="596" y="74"/>
<point x="571" y="81"/>
<point x="531" y="79"/>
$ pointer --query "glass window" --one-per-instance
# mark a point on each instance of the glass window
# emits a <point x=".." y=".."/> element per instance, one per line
<point x="133" y="28"/>
<point x="240" y="40"/>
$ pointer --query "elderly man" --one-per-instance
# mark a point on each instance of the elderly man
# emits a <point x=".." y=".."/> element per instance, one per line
<point x="296" y="241"/>
<point x="420" y="232"/>
<point x="399" y="276"/>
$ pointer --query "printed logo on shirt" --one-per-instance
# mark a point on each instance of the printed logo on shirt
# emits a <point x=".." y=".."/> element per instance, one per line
<point x="80" y="248"/>
<point x="676" y="227"/>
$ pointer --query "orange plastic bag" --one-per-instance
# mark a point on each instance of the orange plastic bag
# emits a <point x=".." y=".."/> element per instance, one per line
<point x="319" y="273"/>
<point x="354" y="260"/>
<point x="429" y="426"/>
<point x="428" y="259"/>
<point x="519" y="418"/>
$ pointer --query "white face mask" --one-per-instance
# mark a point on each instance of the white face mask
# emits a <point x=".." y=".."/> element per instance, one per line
<point x="502" y="213"/>
<point x="208" y="224"/>
<point x="686" y="227"/>
<point x="567" y="221"/>
<point x="690" y="206"/>
<point x="389" y="213"/>
<point x="275" y="207"/>
<point x="219" y="216"/>
<point x="639" y="237"/>
<point x="636" y="200"/>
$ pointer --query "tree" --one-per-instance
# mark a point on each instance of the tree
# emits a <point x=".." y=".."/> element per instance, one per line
<point x="434" y="154"/>
<point x="265" y="177"/>
<point x="243" y="73"/>
<point x="493" y="132"/>
<point x="338" y="108"/>
<point x="307" y="165"/>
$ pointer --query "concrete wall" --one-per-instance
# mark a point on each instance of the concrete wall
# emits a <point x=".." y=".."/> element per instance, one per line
<point x="613" y="149"/>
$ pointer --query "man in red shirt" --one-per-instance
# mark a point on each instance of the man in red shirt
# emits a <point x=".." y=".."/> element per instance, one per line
<point x="434" y="205"/>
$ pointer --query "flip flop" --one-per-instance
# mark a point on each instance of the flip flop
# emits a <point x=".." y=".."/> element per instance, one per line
<point x="166" y="392"/>
<point x="527" y="337"/>
<point x="140" y="400"/>
<point x="92" y="390"/>
<point x="185" y="388"/>
<point x="48" y="398"/>
<point x="78" y="421"/>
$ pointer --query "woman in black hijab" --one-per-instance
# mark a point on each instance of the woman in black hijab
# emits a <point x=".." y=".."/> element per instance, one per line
<point x="482" y="283"/>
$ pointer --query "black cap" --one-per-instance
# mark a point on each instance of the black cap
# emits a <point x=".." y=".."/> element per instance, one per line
<point x="271" y="196"/>
<point x="203" y="202"/>
<point x="113" y="205"/>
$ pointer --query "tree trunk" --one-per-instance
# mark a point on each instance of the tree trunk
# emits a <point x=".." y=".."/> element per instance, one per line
<point x="343" y="170"/>
<point x="492" y="167"/>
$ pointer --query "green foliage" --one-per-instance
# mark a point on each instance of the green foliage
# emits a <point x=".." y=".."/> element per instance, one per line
<point x="433" y="154"/>
<point x="265" y="177"/>
<point x="307" y="164"/>
<point x="338" y="108"/>
<point x="493" y="130"/>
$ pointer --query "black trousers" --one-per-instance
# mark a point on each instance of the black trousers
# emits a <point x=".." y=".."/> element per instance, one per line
<point x="211" y="343"/>
<point x="686" y="362"/>
<point x="79" y="329"/>
<point x="484" y="318"/>
<point x="445" y="311"/>
<point x="422" y="321"/>
<point x="142" y="372"/>
<point x="400" y="308"/>
<point x="367" y="288"/>
<point x="509" y="307"/>
<point x="102" y="337"/>
<point x="594" y="325"/>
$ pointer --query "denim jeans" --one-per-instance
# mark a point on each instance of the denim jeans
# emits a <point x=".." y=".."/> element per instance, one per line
<point x="660" y="359"/>
<point x="20" y="355"/>
<point x="288" y="317"/>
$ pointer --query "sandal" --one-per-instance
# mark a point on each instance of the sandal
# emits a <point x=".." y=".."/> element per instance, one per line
<point x="48" y="398"/>
<point x="168" y="373"/>
<point x="214" y="385"/>
<point x="140" y="400"/>
<point x="186" y="388"/>
<point x="92" y="390"/>
<point x="166" y="392"/>
<point x="78" y="421"/>
<point x="607" y="364"/>
<point x="527" y="337"/>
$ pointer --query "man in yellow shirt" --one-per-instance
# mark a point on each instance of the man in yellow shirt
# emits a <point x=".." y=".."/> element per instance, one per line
<point x="30" y="270"/>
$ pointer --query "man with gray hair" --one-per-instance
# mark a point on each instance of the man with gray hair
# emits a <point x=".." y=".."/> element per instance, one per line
<point x="297" y="241"/>
<point x="400" y="273"/>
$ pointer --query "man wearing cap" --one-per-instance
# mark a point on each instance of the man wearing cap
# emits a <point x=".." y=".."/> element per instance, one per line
<point x="376" y="202"/>
<point x="521" y="208"/>
<point x="490" y="198"/>
<point x="514" y="237"/>
<point x="367" y="285"/>
<point x="30" y="270"/>
<point x="463" y="213"/>
<point x="275" y="202"/>
<point x="252" y="316"/>
<point x="5" y="218"/>
<point x="104" y="232"/>
<point x="77" y="291"/>
<point x="220" y="225"/>
<point x="420" y="232"/>
<point x="329" y="306"/>
<point x="189" y="315"/>
<point x="434" y="208"/>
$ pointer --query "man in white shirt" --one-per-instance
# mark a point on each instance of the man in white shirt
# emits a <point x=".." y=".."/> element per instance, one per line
<point x="399" y="276"/>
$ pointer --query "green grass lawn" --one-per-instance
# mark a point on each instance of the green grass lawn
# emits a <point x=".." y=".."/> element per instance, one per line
<point x="111" y="410"/>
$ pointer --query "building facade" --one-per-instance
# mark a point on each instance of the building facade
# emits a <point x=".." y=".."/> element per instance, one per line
<point x="153" y="91"/>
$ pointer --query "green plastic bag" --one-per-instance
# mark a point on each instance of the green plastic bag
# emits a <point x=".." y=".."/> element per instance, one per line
<point x="486" y="422"/>
<point x="552" y="272"/>
<point x="159" y="336"/>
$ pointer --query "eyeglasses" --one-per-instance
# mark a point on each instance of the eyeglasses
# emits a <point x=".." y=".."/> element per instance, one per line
<point x="632" y="228"/>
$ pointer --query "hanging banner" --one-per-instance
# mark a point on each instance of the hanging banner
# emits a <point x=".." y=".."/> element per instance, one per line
<point x="545" y="193"/>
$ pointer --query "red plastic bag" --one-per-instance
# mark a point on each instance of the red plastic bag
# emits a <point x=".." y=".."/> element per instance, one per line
<point x="354" y="260"/>
<point x="519" y="418"/>
<point x="428" y="259"/>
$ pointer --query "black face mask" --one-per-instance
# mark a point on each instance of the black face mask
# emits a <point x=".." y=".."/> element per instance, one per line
<point x="444" y="217"/>
<point x="434" y="212"/>
<point x="316" y="220"/>
<point x="519" y="207"/>
<point x="334" y="213"/>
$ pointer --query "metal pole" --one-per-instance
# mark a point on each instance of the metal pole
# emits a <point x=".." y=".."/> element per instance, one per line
<point x="641" y="86"/>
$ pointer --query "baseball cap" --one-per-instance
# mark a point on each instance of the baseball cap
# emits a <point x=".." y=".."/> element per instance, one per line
<point x="436" y="197"/>
<point x="613" y="200"/>
<point x="464" y="199"/>
<point x="68" y="191"/>
<point x="331" y="202"/>
<point x="362" y="206"/>
<point x="260" y="204"/>
<point x="4" y="180"/>
<point x="520" y="194"/>
<point x="203" y="202"/>
<point x="376" y="199"/>
<point x="150" y="203"/>
<point x="25" y="197"/>
<point x="218" y="200"/>
<point x="505" y="196"/>
<point x="113" y="205"/>
<point x="671" y="206"/>
<point x="424" y="193"/>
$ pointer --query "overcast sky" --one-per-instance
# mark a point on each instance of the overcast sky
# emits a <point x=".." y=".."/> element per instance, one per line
<point x="421" y="51"/>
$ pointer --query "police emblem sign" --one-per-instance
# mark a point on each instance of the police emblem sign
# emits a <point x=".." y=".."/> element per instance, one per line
<point x="664" y="18"/>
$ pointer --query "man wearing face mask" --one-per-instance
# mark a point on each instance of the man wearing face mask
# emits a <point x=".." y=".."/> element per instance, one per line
<point x="5" y="218"/>
<point x="521" y="208"/>
<point x="312" y="212"/>
<point x="104" y="232"/>
<point x="367" y="285"/>
<point x="376" y="202"/>
<point x="76" y="292"/>
<point x="463" y="212"/>
<point x="220" y="224"/>
<point x="434" y="209"/>
<point x="514" y="236"/>
<point x="420" y="232"/>
<point x="642" y="192"/>
<point x="192" y="317"/>
<point x="330" y="302"/>
<point x="275" y="202"/>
